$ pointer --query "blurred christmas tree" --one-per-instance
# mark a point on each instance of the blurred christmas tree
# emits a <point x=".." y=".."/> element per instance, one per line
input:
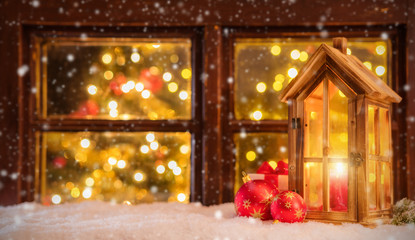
<point x="136" y="81"/>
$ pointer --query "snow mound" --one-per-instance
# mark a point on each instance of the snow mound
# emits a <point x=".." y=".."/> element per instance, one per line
<point x="100" y="220"/>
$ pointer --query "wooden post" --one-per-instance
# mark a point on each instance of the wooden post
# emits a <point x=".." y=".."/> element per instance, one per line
<point x="340" y="43"/>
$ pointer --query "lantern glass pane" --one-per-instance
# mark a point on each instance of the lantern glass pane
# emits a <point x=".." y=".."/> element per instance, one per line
<point x="116" y="79"/>
<point x="313" y="185"/>
<point x="371" y="130"/>
<point x="384" y="135"/>
<point x="371" y="191"/>
<point x="313" y="127"/>
<point x="338" y="122"/>
<point x="338" y="186"/>
<point x="140" y="167"/>
<point x="253" y="149"/>
<point x="385" y="186"/>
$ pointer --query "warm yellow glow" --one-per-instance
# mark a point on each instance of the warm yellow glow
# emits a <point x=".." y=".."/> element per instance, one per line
<point x="154" y="145"/>
<point x="139" y="87"/>
<point x="343" y="137"/>
<point x="87" y="193"/>
<point x="380" y="70"/>
<point x="181" y="197"/>
<point x="92" y="89"/>
<point x="177" y="171"/>
<point x="275" y="50"/>
<point x="172" y="164"/>
<point x="160" y="169"/>
<point x="313" y="115"/>
<point x="128" y="203"/>
<point x="261" y="87"/>
<point x="273" y="164"/>
<point x="113" y="113"/>
<point x="292" y="72"/>
<point x="349" y="52"/>
<point x="89" y="182"/>
<point x="183" y="95"/>
<point x="135" y="57"/>
<point x="186" y="73"/>
<point x="172" y="87"/>
<point x="174" y="58"/>
<point x="150" y="137"/>
<point x="120" y="61"/>
<point x="75" y="192"/>
<point x="69" y="185"/>
<point x="380" y="49"/>
<point x="112" y="104"/>
<point x="156" y="45"/>
<point x="303" y="56"/>
<point x="341" y="94"/>
<point x="112" y="160"/>
<point x="257" y="115"/>
<point x="340" y="168"/>
<point x="56" y="199"/>
<point x="184" y="149"/>
<point x="106" y="58"/>
<point x="279" y="78"/>
<point x="85" y="143"/>
<point x="145" y="94"/>
<point x="121" y="164"/>
<point x="107" y="167"/>
<point x="372" y="177"/>
<point x="167" y="76"/>
<point x="108" y="75"/>
<point x="80" y="157"/>
<point x="295" y="54"/>
<point x="144" y="149"/>
<point x="368" y="65"/>
<point x="277" y="86"/>
<point x="154" y="70"/>
<point x="138" y="176"/>
<point x="250" y="156"/>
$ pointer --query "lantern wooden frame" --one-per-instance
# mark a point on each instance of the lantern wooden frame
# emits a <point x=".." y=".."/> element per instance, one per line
<point x="363" y="89"/>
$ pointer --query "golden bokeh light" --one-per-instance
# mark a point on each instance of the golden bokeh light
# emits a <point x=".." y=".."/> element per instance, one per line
<point x="275" y="50"/>
<point x="251" y="156"/>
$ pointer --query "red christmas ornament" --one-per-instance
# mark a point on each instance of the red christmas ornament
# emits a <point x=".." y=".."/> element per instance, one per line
<point x="59" y="162"/>
<point x="117" y="82"/>
<point x="254" y="198"/>
<point x="89" y="107"/>
<point x="288" y="207"/>
<point x="152" y="82"/>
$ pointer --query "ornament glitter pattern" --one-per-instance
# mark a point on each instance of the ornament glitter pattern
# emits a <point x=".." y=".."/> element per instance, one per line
<point x="288" y="207"/>
<point x="254" y="199"/>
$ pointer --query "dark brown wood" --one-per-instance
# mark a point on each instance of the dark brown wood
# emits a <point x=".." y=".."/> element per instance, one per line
<point x="248" y="19"/>
<point x="340" y="44"/>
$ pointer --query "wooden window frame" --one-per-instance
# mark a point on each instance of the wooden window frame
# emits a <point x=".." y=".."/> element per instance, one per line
<point x="232" y="126"/>
<point x="34" y="123"/>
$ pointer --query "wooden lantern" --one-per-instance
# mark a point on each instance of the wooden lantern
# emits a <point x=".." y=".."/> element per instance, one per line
<point x="340" y="157"/>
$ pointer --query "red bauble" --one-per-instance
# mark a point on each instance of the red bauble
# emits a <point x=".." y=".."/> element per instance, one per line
<point x="152" y="82"/>
<point x="59" y="162"/>
<point x="288" y="207"/>
<point x="89" y="107"/>
<point x="117" y="82"/>
<point x="254" y="198"/>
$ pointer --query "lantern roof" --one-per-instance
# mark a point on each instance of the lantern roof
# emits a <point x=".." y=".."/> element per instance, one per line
<point x="347" y="67"/>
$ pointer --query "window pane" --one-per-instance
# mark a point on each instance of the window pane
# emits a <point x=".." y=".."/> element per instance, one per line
<point x="263" y="67"/>
<point x="117" y="79"/>
<point x="313" y="127"/>
<point x="338" y="183"/>
<point x="384" y="129"/>
<point x="385" y="188"/>
<point x="252" y="149"/>
<point x="115" y="166"/>
<point x="313" y="187"/>
<point x="371" y="130"/>
<point x="371" y="191"/>
<point x="338" y="122"/>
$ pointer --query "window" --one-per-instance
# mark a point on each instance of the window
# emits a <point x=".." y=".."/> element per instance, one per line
<point x="262" y="66"/>
<point x="114" y="117"/>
